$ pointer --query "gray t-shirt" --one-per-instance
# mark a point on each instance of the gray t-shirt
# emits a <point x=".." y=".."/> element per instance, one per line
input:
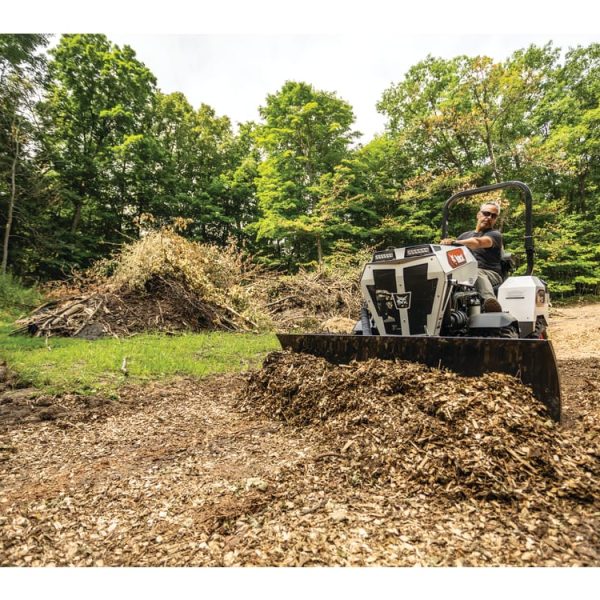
<point x="487" y="258"/>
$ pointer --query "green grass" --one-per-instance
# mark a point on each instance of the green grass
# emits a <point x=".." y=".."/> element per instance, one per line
<point x="66" y="364"/>
<point x="575" y="300"/>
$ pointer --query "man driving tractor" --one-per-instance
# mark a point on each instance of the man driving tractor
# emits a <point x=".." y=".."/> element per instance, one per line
<point x="486" y="245"/>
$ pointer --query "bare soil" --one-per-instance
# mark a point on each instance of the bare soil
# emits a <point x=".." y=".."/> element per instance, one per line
<point x="575" y="331"/>
<point x="185" y="474"/>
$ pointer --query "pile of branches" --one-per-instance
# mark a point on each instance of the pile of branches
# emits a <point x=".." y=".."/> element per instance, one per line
<point x="302" y="302"/>
<point x="426" y="431"/>
<point x="162" y="282"/>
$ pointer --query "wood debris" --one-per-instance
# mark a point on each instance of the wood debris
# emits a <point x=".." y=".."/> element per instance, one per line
<point x="427" y="431"/>
<point x="236" y="471"/>
<point x="159" y="283"/>
<point x="166" y="283"/>
<point x="302" y="302"/>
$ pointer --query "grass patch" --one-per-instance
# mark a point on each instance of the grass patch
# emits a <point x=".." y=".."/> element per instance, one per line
<point x="575" y="300"/>
<point x="67" y="364"/>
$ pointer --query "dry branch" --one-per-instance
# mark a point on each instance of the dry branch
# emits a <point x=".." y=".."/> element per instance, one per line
<point x="162" y="282"/>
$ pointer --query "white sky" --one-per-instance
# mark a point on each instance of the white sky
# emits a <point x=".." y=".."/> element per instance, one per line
<point x="230" y="54"/>
<point x="234" y="73"/>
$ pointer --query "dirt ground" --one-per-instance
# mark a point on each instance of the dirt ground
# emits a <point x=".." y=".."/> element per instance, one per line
<point x="575" y="331"/>
<point x="180" y="475"/>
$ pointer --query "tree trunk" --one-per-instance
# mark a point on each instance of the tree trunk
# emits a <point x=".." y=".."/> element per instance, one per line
<point x="492" y="156"/>
<point x="123" y="187"/>
<point x="76" y="218"/>
<point x="319" y="251"/>
<point x="517" y="163"/>
<point x="11" y="205"/>
<point x="581" y="190"/>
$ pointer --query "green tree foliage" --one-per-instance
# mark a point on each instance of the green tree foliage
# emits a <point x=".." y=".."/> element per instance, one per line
<point x="203" y="171"/>
<point x="116" y="154"/>
<point x="188" y="146"/>
<point x="21" y="67"/>
<point x="305" y="135"/>
<point x="95" y="115"/>
<point x="360" y="203"/>
<point x="471" y="121"/>
<point x="467" y="115"/>
<point x="105" y="153"/>
<point x="237" y="187"/>
<point x="566" y="156"/>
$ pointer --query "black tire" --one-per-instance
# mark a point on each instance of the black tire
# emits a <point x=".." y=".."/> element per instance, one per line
<point x="510" y="332"/>
<point x="540" y="332"/>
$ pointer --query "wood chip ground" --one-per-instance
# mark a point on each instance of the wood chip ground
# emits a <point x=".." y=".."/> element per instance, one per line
<point x="303" y="463"/>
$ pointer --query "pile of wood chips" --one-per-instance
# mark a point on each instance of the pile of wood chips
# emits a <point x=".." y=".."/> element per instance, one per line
<point x="427" y="431"/>
<point x="302" y="463"/>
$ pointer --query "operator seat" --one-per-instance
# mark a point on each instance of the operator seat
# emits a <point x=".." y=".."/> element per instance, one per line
<point x="507" y="265"/>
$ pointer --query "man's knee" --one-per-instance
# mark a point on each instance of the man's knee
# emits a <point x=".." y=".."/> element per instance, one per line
<point x="484" y="284"/>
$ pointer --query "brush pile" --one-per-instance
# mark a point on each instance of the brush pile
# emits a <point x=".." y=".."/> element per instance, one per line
<point x="304" y="301"/>
<point x="426" y="431"/>
<point x="162" y="282"/>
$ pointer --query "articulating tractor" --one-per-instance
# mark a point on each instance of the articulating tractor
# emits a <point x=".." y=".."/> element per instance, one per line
<point x="420" y="304"/>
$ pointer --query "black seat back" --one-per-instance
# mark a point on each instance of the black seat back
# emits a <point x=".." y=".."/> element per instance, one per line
<point x="507" y="264"/>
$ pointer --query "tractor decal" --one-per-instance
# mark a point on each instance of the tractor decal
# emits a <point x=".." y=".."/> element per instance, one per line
<point x="456" y="257"/>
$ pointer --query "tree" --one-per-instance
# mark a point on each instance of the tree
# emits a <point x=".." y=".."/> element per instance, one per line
<point x="20" y="69"/>
<point x="565" y="153"/>
<point x="468" y="115"/>
<point x="305" y="134"/>
<point x="237" y="186"/>
<point x="472" y="121"/>
<point x="201" y="171"/>
<point x="95" y="112"/>
<point x="568" y="121"/>
<point x="360" y="203"/>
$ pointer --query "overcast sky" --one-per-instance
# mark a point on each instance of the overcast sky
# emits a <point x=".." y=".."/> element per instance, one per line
<point x="234" y="73"/>
<point x="231" y="53"/>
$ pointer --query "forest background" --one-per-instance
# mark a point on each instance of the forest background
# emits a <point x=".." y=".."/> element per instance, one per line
<point x="93" y="155"/>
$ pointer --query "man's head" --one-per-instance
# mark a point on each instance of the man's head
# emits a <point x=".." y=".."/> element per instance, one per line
<point x="487" y="216"/>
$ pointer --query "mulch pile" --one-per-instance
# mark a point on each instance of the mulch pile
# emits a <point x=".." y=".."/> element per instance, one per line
<point x="303" y="463"/>
<point x="426" y="430"/>
<point x="582" y="412"/>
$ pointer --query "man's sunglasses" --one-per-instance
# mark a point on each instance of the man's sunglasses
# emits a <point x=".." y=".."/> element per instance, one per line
<point x="487" y="213"/>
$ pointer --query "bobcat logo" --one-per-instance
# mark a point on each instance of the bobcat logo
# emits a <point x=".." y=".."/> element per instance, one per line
<point x="456" y="257"/>
<point x="540" y="298"/>
<point x="402" y="300"/>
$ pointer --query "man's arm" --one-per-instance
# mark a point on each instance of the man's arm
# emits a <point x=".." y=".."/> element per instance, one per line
<point x="473" y="243"/>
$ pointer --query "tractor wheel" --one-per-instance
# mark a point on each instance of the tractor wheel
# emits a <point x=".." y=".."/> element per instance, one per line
<point x="510" y="332"/>
<point x="540" y="332"/>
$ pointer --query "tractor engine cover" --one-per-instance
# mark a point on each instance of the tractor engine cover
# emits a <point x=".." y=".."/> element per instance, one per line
<point x="407" y="289"/>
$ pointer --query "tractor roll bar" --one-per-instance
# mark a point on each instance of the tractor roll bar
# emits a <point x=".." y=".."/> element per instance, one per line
<point x="529" y="250"/>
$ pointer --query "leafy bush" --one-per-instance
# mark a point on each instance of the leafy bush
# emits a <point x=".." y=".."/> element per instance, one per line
<point x="14" y="295"/>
